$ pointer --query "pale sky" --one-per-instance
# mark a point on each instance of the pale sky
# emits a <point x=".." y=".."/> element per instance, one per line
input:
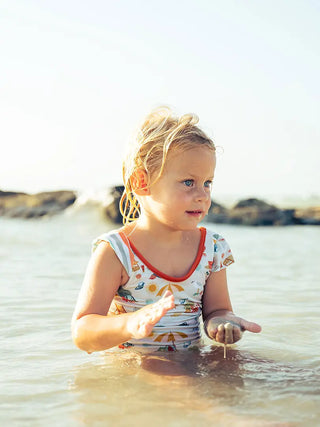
<point x="77" y="78"/>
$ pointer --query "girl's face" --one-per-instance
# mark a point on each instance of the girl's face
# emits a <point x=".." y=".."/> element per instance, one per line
<point x="181" y="197"/>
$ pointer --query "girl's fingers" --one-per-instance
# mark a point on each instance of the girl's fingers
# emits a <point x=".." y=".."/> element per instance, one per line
<point x="156" y="311"/>
<point x="237" y="333"/>
<point x="250" y="326"/>
<point x="228" y="333"/>
<point x="167" y="300"/>
<point x="167" y="294"/>
<point x="220" y="333"/>
<point x="216" y="329"/>
<point x="147" y="317"/>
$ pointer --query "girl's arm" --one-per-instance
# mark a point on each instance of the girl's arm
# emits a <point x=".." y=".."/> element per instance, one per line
<point x="92" y="329"/>
<point x="217" y="310"/>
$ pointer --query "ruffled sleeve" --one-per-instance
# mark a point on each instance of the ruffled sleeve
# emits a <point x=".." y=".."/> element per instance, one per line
<point x="222" y="256"/>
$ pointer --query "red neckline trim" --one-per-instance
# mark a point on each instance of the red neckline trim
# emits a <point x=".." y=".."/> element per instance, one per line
<point x="195" y="264"/>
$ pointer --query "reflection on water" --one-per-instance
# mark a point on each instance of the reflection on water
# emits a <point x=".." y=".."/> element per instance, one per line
<point x="136" y="388"/>
<point x="191" y="387"/>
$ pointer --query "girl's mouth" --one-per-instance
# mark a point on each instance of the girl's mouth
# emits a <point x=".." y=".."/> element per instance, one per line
<point x="194" y="213"/>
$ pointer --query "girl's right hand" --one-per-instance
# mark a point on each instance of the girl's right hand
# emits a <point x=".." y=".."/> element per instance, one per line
<point x="142" y="321"/>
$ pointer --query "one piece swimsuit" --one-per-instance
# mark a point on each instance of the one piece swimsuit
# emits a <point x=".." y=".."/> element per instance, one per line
<point x="180" y="327"/>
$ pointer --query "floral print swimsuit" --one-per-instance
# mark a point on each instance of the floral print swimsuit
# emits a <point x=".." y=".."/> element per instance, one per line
<point x="180" y="327"/>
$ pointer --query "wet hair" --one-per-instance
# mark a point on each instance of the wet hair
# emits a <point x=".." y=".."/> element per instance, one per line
<point x="160" y="134"/>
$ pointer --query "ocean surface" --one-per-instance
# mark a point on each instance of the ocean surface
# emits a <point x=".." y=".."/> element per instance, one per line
<point x="268" y="379"/>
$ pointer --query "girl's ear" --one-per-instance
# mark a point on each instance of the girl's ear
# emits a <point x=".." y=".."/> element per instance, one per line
<point x="139" y="182"/>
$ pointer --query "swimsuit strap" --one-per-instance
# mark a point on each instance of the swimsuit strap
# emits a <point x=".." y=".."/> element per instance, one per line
<point x="121" y="248"/>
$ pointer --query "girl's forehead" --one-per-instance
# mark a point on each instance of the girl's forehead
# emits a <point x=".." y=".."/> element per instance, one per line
<point x="200" y="156"/>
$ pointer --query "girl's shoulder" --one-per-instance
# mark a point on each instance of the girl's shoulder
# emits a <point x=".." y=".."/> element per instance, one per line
<point x="219" y="249"/>
<point x="105" y="237"/>
<point x="119" y="242"/>
<point x="213" y="235"/>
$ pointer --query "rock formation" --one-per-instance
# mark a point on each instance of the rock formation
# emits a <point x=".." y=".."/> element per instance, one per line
<point x="24" y="205"/>
<point x="251" y="212"/>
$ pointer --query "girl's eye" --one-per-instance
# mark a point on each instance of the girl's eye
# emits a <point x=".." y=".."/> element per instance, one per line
<point x="208" y="184"/>
<point x="188" y="182"/>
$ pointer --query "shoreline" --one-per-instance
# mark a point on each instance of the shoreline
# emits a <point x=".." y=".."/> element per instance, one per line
<point x="246" y="211"/>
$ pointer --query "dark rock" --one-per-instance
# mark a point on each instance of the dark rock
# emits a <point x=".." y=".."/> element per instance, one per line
<point x="117" y="191"/>
<point x="258" y="212"/>
<point x="217" y="213"/>
<point x="112" y="211"/>
<point x="253" y="203"/>
<point x="9" y="193"/>
<point x="308" y="216"/>
<point x="251" y="212"/>
<point x="286" y="217"/>
<point x="22" y="205"/>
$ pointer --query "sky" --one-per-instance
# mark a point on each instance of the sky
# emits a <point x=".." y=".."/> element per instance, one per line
<point x="78" y="77"/>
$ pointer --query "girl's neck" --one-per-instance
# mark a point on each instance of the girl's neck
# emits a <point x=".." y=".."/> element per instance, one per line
<point x="158" y="232"/>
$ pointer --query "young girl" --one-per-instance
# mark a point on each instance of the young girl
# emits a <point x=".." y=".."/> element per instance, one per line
<point x="147" y="283"/>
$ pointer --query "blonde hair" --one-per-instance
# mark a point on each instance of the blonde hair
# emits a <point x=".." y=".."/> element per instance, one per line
<point x="160" y="133"/>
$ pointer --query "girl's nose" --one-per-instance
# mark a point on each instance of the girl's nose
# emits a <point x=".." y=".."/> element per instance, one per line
<point x="201" y="194"/>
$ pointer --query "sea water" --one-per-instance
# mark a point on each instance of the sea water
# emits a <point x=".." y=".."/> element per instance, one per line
<point x="270" y="378"/>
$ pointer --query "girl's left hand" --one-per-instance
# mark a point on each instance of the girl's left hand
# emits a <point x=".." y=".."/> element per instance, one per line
<point x="216" y="328"/>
